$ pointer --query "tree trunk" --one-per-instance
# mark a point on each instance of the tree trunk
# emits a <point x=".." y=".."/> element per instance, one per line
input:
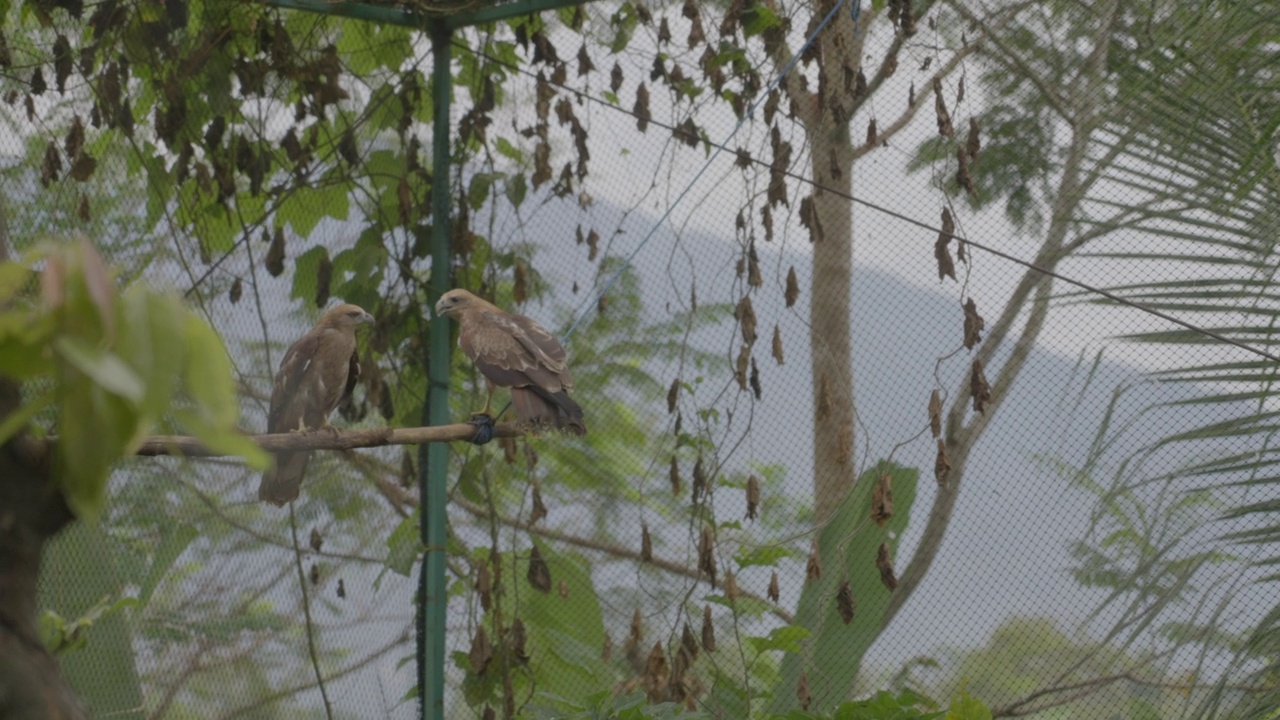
<point x="31" y="512"/>
<point x="831" y="230"/>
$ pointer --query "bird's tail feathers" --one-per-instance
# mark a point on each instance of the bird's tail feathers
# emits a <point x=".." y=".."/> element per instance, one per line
<point x="541" y="409"/>
<point x="282" y="481"/>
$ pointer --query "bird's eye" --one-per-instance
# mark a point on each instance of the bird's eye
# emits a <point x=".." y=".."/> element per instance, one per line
<point x="353" y="313"/>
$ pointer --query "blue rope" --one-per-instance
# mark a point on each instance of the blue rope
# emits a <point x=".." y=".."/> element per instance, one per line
<point x="749" y="114"/>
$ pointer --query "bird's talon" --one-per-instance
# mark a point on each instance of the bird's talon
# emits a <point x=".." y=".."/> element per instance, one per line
<point x="484" y="428"/>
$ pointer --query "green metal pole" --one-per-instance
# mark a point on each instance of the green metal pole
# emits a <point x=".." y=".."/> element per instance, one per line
<point x="433" y="473"/>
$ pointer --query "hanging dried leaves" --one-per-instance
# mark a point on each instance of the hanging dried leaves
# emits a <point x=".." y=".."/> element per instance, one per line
<point x="316" y="541"/>
<point x="945" y="129"/>
<point x="539" y="574"/>
<point x="585" y="66"/>
<point x="696" y="34"/>
<point x="675" y="476"/>
<point x="63" y="62"/>
<point x="593" y="245"/>
<point x="754" y="379"/>
<point x="237" y="289"/>
<point x="517" y="638"/>
<point x="973" y="143"/>
<point x="802" y="691"/>
<point x="884" y="563"/>
<point x="541" y="164"/>
<point x="656" y="674"/>
<point x="484" y="585"/>
<point x="275" y="254"/>
<point x="774" y="592"/>
<point x="324" y="277"/>
<point x="963" y="178"/>
<point x="688" y="643"/>
<point x="646" y="544"/>
<point x="745" y="314"/>
<point x="706" y="555"/>
<point x="481" y="651"/>
<point x="777" y="345"/>
<point x="979" y="388"/>
<point x="959" y="92"/>
<point x="813" y="568"/>
<point x="753" y="497"/>
<point x="941" y="251"/>
<point x="941" y="464"/>
<point x="740" y="369"/>
<point x="520" y="284"/>
<point x="809" y="219"/>
<point x="935" y="413"/>
<point x="342" y="589"/>
<point x="871" y="132"/>
<point x="708" y="630"/>
<point x="911" y="95"/>
<point x="731" y="590"/>
<point x="792" y="292"/>
<point x="664" y="32"/>
<point x="754" y="277"/>
<point x="641" y="108"/>
<point x="766" y="221"/>
<point x="51" y="166"/>
<point x="315" y="574"/>
<point x="539" y="509"/>
<point x="974" y="324"/>
<point x="882" y="500"/>
<point x="845" y="604"/>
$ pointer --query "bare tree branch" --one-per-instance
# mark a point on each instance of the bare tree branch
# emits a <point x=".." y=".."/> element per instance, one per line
<point x="332" y="439"/>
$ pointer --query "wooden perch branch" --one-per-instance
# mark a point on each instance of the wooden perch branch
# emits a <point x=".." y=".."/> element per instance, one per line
<point x="332" y="439"/>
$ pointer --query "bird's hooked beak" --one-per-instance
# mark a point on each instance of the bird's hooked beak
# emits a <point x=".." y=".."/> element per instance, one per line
<point x="365" y="319"/>
<point x="442" y="306"/>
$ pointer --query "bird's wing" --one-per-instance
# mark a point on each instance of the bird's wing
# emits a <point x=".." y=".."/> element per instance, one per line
<point x="283" y="416"/>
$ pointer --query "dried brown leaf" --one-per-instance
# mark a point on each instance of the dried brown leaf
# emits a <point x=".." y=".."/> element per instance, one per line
<point x="708" y="630"/>
<point x="941" y="464"/>
<point x="688" y="643"/>
<point x="696" y="34"/>
<point x="324" y="277"/>
<point x="777" y="345"/>
<point x="315" y="574"/>
<point x="664" y="31"/>
<point x="754" y="379"/>
<point x="342" y="589"/>
<point x="646" y="544"/>
<point x="539" y="509"/>
<point x="518" y="638"/>
<point x="973" y="143"/>
<point x="481" y="651"/>
<point x="871" y="132"/>
<point x="539" y="574"/>
<point x="974" y="324"/>
<point x="882" y="500"/>
<point x="978" y="388"/>
<point x="641" y="108"/>
<point x="275" y="254"/>
<point x="809" y="219"/>
<point x="699" y="479"/>
<point x="945" y="128"/>
<point x="706" y="555"/>
<point x="793" y="288"/>
<point x="845" y="604"/>
<point x="520" y="285"/>
<point x="963" y="178"/>
<point x="802" y="691"/>
<point x="884" y="563"/>
<point x="740" y="369"/>
<point x="813" y="568"/>
<point x="774" y="591"/>
<point x="745" y="314"/>
<point x="484" y="585"/>
<point x="675" y="476"/>
<point x="753" y="497"/>
<point x="935" y="413"/>
<point x="941" y="253"/>
<point x="316" y="541"/>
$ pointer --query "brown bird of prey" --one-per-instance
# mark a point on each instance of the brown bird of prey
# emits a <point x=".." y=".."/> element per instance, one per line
<point x="516" y="352"/>
<point x="317" y="372"/>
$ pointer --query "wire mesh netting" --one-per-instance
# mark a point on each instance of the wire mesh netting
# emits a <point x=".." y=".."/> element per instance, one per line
<point x="924" y="350"/>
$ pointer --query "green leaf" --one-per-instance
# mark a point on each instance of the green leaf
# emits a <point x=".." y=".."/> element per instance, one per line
<point x="964" y="707"/>
<point x="786" y="638"/>
<point x="175" y="541"/>
<point x="403" y="545"/>
<point x="516" y="189"/>
<point x="19" y="418"/>
<point x="103" y="367"/>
